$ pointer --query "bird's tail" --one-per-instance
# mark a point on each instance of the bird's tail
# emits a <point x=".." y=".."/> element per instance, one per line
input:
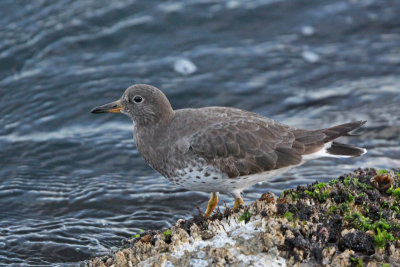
<point x="344" y="150"/>
<point x="341" y="130"/>
<point x="339" y="149"/>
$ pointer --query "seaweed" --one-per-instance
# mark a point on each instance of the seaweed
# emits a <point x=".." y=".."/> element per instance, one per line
<point x="382" y="238"/>
<point x="246" y="215"/>
<point x="288" y="216"/>
<point x="357" y="212"/>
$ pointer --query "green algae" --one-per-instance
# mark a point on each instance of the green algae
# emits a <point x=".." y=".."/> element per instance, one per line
<point x="381" y="227"/>
<point x="350" y="214"/>
<point x="137" y="235"/>
<point x="319" y="185"/>
<point x="396" y="192"/>
<point x="380" y="172"/>
<point x="333" y="182"/>
<point x="318" y="194"/>
<point x="379" y="221"/>
<point x="362" y="194"/>
<point x="291" y="193"/>
<point x="357" y="262"/>
<point x="348" y="181"/>
<point x="395" y="208"/>
<point x="288" y="216"/>
<point x="246" y="215"/>
<point x="167" y="233"/>
<point x="332" y="209"/>
<point x="350" y="198"/>
<point x="342" y="209"/>
<point x="382" y="238"/>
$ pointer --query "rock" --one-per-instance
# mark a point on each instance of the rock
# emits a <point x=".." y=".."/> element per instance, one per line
<point x="382" y="182"/>
<point x="120" y="259"/>
<point x="342" y="259"/>
<point x="146" y="239"/>
<point x="206" y="234"/>
<point x="327" y="254"/>
<point x="269" y="197"/>
<point x="359" y="242"/>
<point x="313" y="225"/>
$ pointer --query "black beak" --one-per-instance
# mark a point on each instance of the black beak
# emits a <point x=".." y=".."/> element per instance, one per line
<point x="114" y="107"/>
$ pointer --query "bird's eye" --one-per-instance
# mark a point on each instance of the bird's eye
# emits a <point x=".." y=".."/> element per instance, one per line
<point x="138" y="99"/>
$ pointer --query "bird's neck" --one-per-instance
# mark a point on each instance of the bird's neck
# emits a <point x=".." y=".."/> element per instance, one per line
<point x="151" y="121"/>
<point x="148" y="139"/>
<point x="151" y="131"/>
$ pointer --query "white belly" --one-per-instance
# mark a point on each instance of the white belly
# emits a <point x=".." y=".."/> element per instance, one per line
<point x="209" y="179"/>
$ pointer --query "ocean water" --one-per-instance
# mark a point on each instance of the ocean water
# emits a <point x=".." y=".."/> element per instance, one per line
<point x="72" y="184"/>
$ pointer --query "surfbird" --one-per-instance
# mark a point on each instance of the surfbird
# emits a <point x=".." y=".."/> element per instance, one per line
<point x="221" y="149"/>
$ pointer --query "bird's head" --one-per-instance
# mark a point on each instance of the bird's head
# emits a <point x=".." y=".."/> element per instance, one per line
<point x="144" y="104"/>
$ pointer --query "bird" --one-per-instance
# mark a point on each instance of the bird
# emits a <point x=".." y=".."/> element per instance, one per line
<point x="221" y="149"/>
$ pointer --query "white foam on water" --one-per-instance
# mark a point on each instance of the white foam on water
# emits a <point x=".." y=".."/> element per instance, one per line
<point x="310" y="56"/>
<point x="184" y="66"/>
<point x="307" y="30"/>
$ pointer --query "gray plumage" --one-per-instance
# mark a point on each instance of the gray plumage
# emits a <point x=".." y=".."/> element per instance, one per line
<point x="220" y="143"/>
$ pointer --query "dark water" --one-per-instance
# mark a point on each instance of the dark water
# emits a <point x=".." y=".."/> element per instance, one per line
<point x="72" y="184"/>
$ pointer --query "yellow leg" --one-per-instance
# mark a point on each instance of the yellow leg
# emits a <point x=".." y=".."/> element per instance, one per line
<point x="238" y="201"/>
<point x="212" y="204"/>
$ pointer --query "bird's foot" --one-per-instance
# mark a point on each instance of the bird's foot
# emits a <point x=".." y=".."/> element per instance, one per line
<point x="212" y="204"/>
<point x="238" y="203"/>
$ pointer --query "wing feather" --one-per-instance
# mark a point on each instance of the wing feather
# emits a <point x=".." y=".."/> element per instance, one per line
<point x="247" y="146"/>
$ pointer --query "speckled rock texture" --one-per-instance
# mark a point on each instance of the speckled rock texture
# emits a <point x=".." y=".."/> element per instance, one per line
<point x="351" y="221"/>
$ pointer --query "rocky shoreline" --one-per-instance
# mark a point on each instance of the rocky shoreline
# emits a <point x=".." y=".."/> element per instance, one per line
<point x="351" y="221"/>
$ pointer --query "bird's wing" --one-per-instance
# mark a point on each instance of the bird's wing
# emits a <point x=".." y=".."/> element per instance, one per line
<point x="247" y="146"/>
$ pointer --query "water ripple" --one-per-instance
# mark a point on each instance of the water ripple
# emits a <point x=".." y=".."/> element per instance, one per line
<point x="73" y="184"/>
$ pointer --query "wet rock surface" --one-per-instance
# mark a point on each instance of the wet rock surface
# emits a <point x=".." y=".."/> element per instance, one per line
<point x="351" y="221"/>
